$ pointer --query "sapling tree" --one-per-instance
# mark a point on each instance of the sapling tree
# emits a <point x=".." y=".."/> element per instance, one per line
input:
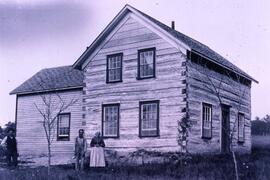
<point x="52" y="104"/>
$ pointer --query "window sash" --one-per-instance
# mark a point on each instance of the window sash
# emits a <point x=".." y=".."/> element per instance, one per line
<point x="149" y="117"/>
<point x="63" y="125"/>
<point x="110" y="120"/>
<point x="114" y="68"/>
<point x="207" y="121"/>
<point x="146" y="70"/>
<point x="146" y="63"/>
<point x="114" y="75"/>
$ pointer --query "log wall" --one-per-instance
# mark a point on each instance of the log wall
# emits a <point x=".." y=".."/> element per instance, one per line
<point x="166" y="86"/>
<point x="232" y="93"/>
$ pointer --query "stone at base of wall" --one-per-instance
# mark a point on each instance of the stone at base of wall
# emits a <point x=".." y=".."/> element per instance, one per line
<point x="112" y="157"/>
<point x="141" y="157"/>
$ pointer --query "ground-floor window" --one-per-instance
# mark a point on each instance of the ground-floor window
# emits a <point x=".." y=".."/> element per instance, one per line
<point x="63" y="127"/>
<point x="110" y="120"/>
<point x="206" y="120"/>
<point x="149" y="119"/>
<point x="241" y="127"/>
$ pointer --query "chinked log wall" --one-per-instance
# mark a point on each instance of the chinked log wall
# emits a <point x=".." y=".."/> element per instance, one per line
<point x="166" y="86"/>
<point x="199" y="92"/>
<point x="30" y="133"/>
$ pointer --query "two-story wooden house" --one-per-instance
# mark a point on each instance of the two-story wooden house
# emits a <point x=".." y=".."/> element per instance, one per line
<point x="134" y="84"/>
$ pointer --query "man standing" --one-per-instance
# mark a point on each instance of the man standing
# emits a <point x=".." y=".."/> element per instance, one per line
<point x="80" y="150"/>
<point x="10" y="143"/>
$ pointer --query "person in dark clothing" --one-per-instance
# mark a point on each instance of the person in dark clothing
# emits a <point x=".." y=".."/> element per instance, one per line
<point x="80" y="150"/>
<point x="97" y="141"/>
<point x="10" y="144"/>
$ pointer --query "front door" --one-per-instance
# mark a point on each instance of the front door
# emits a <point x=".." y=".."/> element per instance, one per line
<point x="225" y="129"/>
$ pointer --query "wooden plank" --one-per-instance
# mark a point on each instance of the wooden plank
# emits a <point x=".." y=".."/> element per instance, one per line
<point x="30" y="132"/>
<point x="131" y="40"/>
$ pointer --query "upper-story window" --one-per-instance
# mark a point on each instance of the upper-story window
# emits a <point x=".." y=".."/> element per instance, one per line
<point x="63" y="127"/>
<point x="146" y="63"/>
<point x="241" y="127"/>
<point x="114" y="68"/>
<point x="207" y="121"/>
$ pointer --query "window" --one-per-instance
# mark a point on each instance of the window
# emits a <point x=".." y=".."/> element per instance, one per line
<point x="207" y="121"/>
<point x="149" y="119"/>
<point x="110" y="120"/>
<point x="114" y="68"/>
<point x="63" y="127"/>
<point x="146" y="63"/>
<point x="241" y="127"/>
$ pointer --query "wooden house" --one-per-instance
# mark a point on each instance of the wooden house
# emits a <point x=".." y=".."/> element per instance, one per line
<point x="135" y="83"/>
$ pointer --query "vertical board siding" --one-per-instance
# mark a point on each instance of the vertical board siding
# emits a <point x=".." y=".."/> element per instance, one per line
<point x="166" y="87"/>
<point x="199" y="92"/>
<point x="30" y="133"/>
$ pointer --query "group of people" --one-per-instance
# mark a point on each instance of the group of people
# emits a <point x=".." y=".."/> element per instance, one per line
<point x="97" y="158"/>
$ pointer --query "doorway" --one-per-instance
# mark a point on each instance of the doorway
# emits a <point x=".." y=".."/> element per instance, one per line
<point x="225" y="129"/>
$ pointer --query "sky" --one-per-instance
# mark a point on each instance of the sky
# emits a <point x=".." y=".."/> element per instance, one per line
<point x="37" y="34"/>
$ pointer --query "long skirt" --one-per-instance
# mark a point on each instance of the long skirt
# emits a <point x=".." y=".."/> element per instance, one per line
<point x="97" y="158"/>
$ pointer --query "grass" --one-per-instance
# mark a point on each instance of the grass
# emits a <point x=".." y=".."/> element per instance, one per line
<point x="253" y="166"/>
<point x="261" y="141"/>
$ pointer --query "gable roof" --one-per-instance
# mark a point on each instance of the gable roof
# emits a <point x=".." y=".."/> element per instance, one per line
<point x="51" y="79"/>
<point x="194" y="45"/>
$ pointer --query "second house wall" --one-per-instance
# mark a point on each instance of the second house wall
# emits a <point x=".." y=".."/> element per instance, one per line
<point x="30" y="132"/>
<point x="166" y="87"/>
<point x="199" y="91"/>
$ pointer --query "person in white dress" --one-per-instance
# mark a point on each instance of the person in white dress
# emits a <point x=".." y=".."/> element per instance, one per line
<point x="97" y="158"/>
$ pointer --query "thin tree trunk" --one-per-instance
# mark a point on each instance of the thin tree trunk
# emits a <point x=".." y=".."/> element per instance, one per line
<point x="49" y="160"/>
<point x="235" y="166"/>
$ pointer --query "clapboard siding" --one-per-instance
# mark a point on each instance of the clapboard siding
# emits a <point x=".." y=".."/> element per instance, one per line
<point x="166" y="87"/>
<point x="232" y="92"/>
<point x="30" y="132"/>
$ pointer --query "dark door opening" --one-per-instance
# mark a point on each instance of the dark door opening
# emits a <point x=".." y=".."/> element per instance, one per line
<point x="225" y="129"/>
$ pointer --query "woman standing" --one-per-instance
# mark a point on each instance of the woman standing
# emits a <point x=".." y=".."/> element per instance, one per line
<point x="97" y="158"/>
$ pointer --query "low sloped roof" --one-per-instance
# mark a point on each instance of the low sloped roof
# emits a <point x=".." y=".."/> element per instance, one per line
<point x="50" y="79"/>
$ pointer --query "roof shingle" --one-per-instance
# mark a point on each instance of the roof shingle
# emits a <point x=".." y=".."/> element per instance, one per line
<point x="194" y="45"/>
<point x="199" y="47"/>
<point x="57" y="78"/>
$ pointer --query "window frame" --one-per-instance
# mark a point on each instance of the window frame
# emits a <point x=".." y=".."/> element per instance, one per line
<point x="102" y="120"/>
<point x="59" y="138"/>
<point x="139" y="63"/>
<point x="107" y="68"/>
<point x="211" y="122"/>
<point x="140" y="120"/>
<point x="238" y="124"/>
